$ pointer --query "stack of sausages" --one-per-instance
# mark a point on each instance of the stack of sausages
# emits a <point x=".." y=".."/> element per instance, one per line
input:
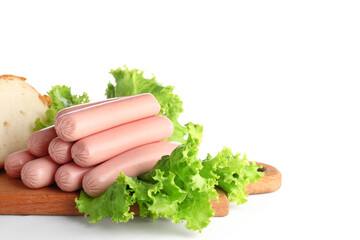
<point x="90" y="144"/>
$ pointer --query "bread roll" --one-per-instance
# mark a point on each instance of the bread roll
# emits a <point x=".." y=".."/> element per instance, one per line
<point x="20" y="105"/>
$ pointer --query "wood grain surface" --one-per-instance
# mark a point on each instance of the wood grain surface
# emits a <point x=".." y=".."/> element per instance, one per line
<point x="16" y="199"/>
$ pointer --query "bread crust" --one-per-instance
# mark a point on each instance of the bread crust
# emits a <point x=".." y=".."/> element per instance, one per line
<point x="12" y="77"/>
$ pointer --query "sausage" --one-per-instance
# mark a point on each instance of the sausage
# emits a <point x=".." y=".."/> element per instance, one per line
<point x="39" y="173"/>
<point x="132" y="163"/>
<point x="38" y="142"/>
<point x="69" y="177"/>
<point x="14" y="162"/>
<point x="60" y="151"/>
<point x="81" y="123"/>
<point x="101" y="146"/>
<point x="81" y="106"/>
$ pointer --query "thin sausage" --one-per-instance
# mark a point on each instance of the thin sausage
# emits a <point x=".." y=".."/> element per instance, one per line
<point x="101" y="146"/>
<point x="69" y="177"/>
<point x="14" y="162"/>
<point x="38" y="142"/>
<point x="60" y="151"/>
<point x="81" y="106"/>
<point x="39" y="173"/>
<point x="81" y="123"/>
<point x="132" y="163"/>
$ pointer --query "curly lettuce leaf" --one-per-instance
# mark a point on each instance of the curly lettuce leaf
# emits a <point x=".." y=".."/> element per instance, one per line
<point x="132" y="82"/>
<point x="115" y="203"/>
<point x="232" y="174"/>
<point x="179" y="186"/>
<point x="194" y="207"/>
<point x="61" y="97"/>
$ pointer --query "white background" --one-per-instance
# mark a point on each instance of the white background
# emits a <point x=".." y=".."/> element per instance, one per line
<point x="277" y="80"/>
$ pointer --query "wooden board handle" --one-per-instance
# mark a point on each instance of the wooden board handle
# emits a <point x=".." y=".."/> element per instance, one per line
<point x="268" y="183"/>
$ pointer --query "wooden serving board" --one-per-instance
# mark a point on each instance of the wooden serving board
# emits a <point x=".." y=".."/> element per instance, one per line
<point x="16" y="199"/>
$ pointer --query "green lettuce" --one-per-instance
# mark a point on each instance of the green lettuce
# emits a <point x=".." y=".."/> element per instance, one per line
<point x="61" y="97"/>
<point x="179" y="186"/>
<point x="132" y="82"/>
<point x="232" y="173"/>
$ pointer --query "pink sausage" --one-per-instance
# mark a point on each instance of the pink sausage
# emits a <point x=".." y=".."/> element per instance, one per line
<point x="69" y="177"/>
<point x="38" y="142"/>
<point x="132" y="163"/>
<point x="81" y="123"/>
<point x="60" y="151"/>
<point x="39" y="173"/>
<point x="14" y="162"/>
<point x="81" y="106"/>
<point x="101" y="146"/>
